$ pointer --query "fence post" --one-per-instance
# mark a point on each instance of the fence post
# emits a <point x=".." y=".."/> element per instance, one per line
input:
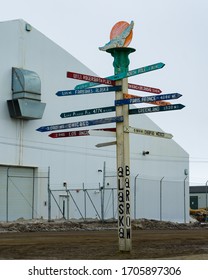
<point x="33" y="194"/>
<point x="85" y="205"/>
<point x="161" y="198"/>
<point x="103" y="193"/>
<point x="7" y="196"/>
<point x="67" y="208"/>
<point x="184" y="193"/>
<point x="49" y="196"/>
<point x="113" y="204"/>
<point x="101" y="202"/>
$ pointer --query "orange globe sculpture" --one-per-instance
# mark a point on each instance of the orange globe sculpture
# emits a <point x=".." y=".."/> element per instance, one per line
<point x="118" y="28"/>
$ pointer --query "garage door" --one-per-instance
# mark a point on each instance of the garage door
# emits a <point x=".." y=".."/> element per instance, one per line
<point x="16" y="193"/>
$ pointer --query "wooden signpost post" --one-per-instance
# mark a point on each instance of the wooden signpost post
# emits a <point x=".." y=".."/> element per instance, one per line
<point x="121" y="63"/>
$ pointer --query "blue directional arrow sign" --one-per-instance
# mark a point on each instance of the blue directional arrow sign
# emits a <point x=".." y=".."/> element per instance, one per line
<point x="88" y="91"/>
<point x="145" y="99"/>
<point x="125" y="74"/>
<point x="155" y="109"/>
<point x="88" y="112"/>
<point x="79" y="124"/>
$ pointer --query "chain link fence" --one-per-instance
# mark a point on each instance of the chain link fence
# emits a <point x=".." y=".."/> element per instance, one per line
<point x="26" y="192"/>
<point x="160" y="199"/>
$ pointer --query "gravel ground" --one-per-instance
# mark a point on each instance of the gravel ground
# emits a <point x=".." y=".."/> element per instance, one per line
<point x="41" y="225"/>
<point x="74" y="240"/>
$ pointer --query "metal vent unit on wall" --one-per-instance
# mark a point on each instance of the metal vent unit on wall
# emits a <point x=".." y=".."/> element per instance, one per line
<point x="26" y="97"/>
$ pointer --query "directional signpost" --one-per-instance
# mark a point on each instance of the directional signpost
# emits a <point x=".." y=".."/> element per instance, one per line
<point x="117" y="83"/>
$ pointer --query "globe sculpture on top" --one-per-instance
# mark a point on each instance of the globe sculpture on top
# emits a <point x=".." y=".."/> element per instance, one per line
<point x="120" y="36"/>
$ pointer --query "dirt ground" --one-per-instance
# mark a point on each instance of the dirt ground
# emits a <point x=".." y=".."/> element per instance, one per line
<point x="82" y="241"/>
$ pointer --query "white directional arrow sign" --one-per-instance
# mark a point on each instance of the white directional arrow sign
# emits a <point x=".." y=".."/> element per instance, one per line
<point x="147" y="132"/>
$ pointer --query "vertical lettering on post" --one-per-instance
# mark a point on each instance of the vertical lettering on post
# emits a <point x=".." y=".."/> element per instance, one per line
<point x="124" y="214"/>
<point x="127" y="203"/>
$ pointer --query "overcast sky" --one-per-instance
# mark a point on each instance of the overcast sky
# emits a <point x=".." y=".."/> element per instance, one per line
<point x="170" y="31"/>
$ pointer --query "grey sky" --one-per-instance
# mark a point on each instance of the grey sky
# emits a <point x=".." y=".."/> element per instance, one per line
<point x="172" y="32"/>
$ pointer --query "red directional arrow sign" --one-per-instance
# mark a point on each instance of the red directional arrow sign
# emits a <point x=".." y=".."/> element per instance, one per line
<point x="69" y="134"/>
<point x="81" y="133"/>
<point x="89" y="78"/>
<point x="144" y="88"/>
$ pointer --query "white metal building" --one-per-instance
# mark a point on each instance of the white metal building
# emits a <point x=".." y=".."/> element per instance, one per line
<point x="82" y="177"/>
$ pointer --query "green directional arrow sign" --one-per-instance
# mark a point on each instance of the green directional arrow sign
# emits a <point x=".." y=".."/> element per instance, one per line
<point x="120" y="76"/>
<point x="155" y="109"/>
<point x="141" y="70"/>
